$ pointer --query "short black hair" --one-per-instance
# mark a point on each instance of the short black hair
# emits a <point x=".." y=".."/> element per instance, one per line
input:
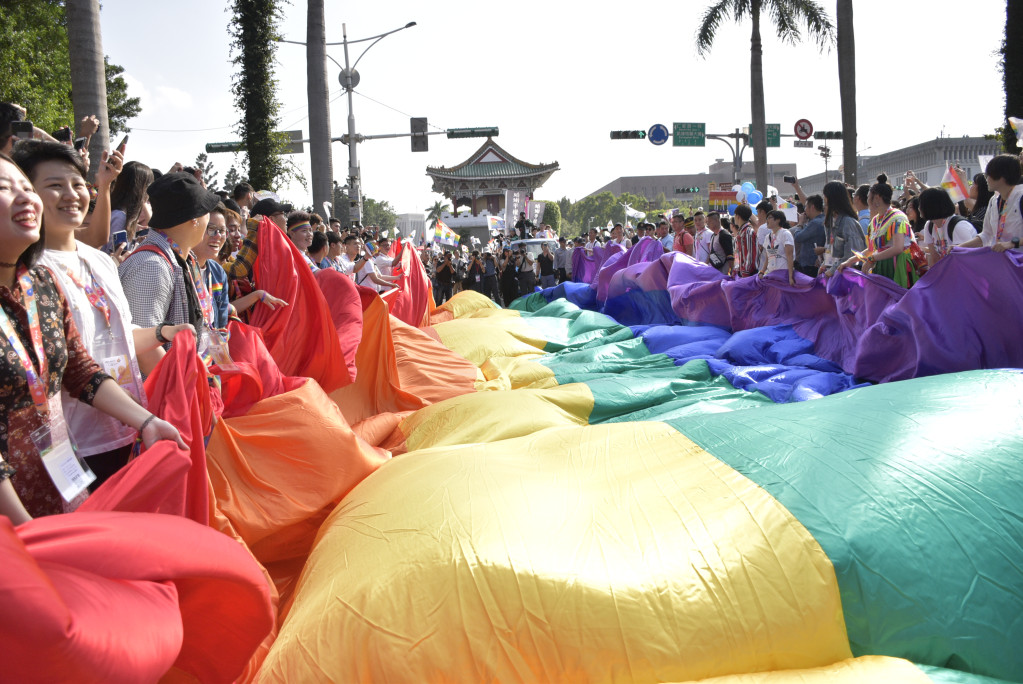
<point x="1004" y="167"/>
<point x="333" y="238"/>
<point x="297" y="217"/>
<point x="764" y="206"/>
<point x="699" y="213"/>
<point x="744" y="212"/>
<point x="319" y="241"/>
<point x="351" y="237"/>
<point x="935" y="203"/>
<point x="714" y="213"/>
<point x="241" y="190"/>
<point x="816" y="201"/>
<point x="31" y="153"/>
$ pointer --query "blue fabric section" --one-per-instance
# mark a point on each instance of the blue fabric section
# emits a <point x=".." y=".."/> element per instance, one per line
<point x="773" y="360"/>
<point x="637" y="307"/>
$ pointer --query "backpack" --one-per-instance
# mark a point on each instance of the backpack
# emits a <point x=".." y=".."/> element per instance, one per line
<point x="955" y="220"/>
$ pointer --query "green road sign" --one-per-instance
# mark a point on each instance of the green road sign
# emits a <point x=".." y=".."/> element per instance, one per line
<point x="486" y="132"/>
<point x="292" y="147"/>
<point x="773" y="135"/>
<point x="689" y="135"/>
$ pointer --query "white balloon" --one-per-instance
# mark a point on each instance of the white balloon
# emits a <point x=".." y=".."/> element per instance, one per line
<point x="740" y="196"/>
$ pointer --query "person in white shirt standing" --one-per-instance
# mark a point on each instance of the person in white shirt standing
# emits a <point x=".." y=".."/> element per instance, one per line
<point x="703" y="237"/>
<point x="779" y="246"/>
<point x="361" y="268"/>
<point x="1003" y="221"/>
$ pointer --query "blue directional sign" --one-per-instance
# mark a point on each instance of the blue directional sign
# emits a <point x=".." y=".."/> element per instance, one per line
<point x="658" y="134"/>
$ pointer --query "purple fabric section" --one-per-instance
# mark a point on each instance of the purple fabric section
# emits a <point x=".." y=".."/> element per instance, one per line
<point x="964" y="314"/>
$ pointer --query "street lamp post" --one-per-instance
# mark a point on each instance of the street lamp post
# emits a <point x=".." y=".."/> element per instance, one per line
<point x="349" y="78"/>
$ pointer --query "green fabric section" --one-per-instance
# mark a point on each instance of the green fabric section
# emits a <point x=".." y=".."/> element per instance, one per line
<point x="914" y="489"/>
<point x="533" y="302"/>
<point x="565" y="325"/>
<point x="941" y="675"/>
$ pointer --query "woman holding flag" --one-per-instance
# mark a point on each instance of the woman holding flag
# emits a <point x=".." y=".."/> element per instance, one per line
<point x="888" y="239"/>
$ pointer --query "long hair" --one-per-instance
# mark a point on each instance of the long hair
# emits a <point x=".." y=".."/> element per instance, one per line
<point x="839" y="203"/>
<point x="31" y="255"/>
<point x="129" y="193"/>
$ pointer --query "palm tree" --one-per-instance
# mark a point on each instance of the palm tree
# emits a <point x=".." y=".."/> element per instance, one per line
<point x="847" y="86"/>
<point x="786" y="15"/>
<point x="88" y="73"/>
<point x="434" y="212"/>
<point x="319" y="113"/>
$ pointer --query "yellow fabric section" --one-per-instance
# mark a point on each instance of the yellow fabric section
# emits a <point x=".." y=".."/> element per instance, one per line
<point x="466" y="302"/>
<point x="492" y="416"/>
<point x="872" y="669"/>
<point x="619" y="553"/>
<point x="475" y="340"/>
<point x="501" y="344"/>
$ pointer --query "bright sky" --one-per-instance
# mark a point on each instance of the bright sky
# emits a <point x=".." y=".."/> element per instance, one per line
<point x="556" y="80"/>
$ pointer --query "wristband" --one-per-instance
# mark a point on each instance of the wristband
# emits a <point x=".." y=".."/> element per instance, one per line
<point x="146" y="422"/>
<point x="262" y="297"/>
<point x="1015" y="242"/>
<point x="159" y="334"/>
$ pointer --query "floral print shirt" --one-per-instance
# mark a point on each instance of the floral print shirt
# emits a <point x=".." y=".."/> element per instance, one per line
<point x="70" y="367"/>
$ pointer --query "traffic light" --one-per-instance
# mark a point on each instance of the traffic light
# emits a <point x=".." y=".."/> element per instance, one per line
<point x="828" y="135"/>
<point x="489" y="132"/>
<point x="628" y="135"/>
<point x="420" y="141"/>
<point x="686" y="191"/>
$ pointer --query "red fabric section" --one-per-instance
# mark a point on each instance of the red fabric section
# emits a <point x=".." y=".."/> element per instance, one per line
<point x="300" y="336"/>
<point x="179" y="393"/>
<point x="342" y="299"/>
<point x="413" y="303"/>
<point x="257" y="377"/>
<point x="184" y="596"/>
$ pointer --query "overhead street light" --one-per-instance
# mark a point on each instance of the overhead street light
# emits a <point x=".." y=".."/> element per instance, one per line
<point x="349" y="79"/>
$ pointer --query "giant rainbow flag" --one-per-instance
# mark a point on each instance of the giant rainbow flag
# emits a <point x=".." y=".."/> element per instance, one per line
<point x="652" y="474"/>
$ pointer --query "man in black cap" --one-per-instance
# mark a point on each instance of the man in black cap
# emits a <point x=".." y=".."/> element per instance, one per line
<point x="159" y="277"/>
<point x="241" y="267"/>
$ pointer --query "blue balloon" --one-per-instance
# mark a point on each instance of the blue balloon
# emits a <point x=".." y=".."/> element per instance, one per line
<point x="731" y="208"/>
<point x="748" y="187"/>
<point x="754" y="197"/>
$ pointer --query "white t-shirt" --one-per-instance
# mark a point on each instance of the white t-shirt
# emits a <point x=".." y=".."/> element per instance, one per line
<point x="762" y="234"/>
<point x="113" y="346"/>
<point x="624" y="242"/>
<point x="703" y="240"/>
<point x="937" y="237"/>
<point x="1013" y="226"/>
<point x="774" y="247"/>
<point x="383" y="263"/>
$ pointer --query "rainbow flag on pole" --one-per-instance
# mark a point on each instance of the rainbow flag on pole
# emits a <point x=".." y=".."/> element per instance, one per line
<point x="954" y="184"/>
<point x="444" y="235"/>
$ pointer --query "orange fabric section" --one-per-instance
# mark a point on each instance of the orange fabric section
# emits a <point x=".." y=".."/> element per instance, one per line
<point x="377" y="387"/>
<point x="274" y="476"/>
<point x="427" y="368"/>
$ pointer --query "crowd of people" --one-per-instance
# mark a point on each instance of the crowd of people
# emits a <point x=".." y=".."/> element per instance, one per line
<point x="98" y="280"/>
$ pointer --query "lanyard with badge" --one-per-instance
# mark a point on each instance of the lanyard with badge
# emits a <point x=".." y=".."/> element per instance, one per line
<point x="219" y="350"/>
<point x="108" y="349"/>
<point x="69" y="473"/>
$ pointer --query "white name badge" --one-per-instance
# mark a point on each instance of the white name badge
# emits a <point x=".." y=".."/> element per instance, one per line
<point x="70" y="474"/>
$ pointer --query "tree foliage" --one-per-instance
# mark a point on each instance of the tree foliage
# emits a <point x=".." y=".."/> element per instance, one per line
<point x="209" y="175"/>
<point x="253" y="29"/>
<point x="232" y="178"/>
<point x="552" y="216"/>
<point x="378" y="213"/>
<point x="433" y="213"/>
<point x="35" y="69"/>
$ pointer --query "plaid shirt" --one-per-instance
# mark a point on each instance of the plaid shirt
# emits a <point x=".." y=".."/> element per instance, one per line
<point x="156" y="288"/>
<point x="746" y="251"/>
<point x="241" y="267"/>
